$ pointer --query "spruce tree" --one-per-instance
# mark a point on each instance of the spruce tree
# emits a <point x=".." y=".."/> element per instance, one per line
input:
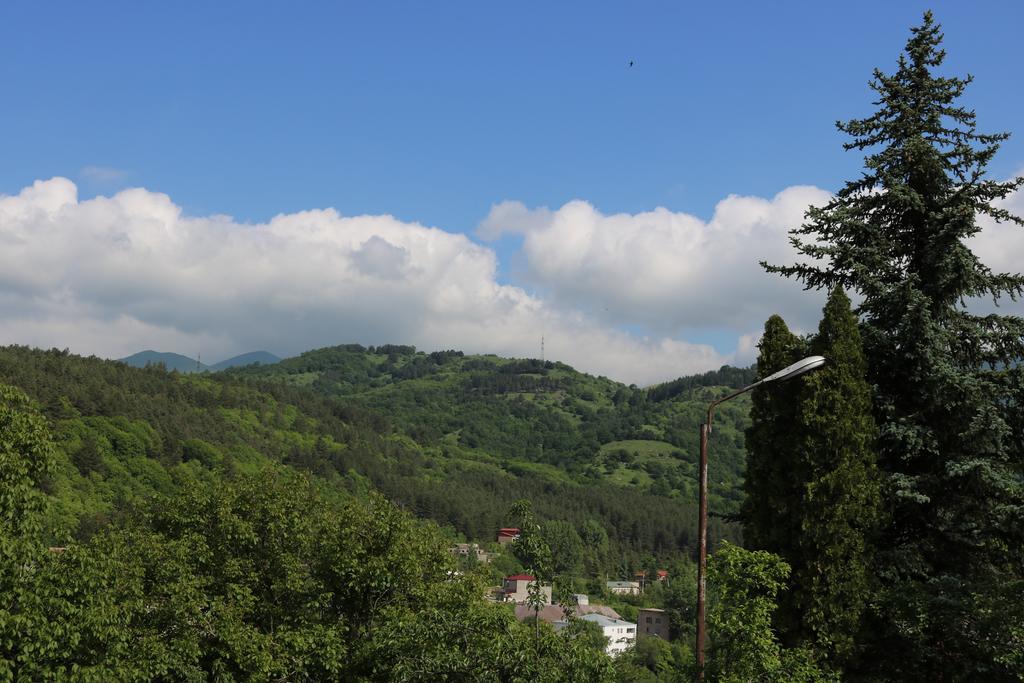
<point x="947" y="381"/>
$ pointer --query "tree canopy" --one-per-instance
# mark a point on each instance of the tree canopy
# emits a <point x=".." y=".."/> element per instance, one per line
<point x="946" y="378"/>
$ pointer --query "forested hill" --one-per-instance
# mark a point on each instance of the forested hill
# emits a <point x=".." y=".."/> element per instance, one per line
<point x="451" y="438"/>
<point x="527" y="415"/>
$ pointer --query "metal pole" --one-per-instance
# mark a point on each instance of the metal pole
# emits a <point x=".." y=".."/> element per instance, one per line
<point x="702" y="560"/>
<point x="798" y="368"/>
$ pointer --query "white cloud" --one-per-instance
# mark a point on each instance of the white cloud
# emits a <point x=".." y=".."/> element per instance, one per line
<point x="669" y="272"/>
<point x="114" y="275"/>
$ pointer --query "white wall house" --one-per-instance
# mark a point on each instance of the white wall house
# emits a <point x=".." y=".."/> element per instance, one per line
<point x="621" y="634"/>
<point x="624" y="587"/>
<point x="516" y="589"/>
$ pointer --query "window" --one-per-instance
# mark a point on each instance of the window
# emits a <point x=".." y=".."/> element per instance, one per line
<point x="649" y="620"/>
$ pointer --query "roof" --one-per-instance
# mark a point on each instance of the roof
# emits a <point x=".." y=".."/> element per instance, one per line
<point x="553" y="613"/>
<point x="519" y="577"/>
<point x="603" y="621"/>
<point x="548" y="613"/>
<point x="662" y="572"/>
<point x="650" y="609"/>
<point x="597" y="609"/>
<point x="508" y="531"/>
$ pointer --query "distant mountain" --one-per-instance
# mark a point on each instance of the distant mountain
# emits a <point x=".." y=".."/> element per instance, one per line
<point x="261" y="357"/>
<point x="172" y="361"/>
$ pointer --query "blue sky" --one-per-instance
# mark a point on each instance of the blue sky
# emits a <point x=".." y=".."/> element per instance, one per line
<point x="435" y="112"/>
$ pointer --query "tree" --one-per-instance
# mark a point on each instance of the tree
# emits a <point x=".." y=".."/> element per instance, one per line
<point x="947" y="380"/>
<point x="840" y="494"/>
<point x="771" y="521"/>
<point x="566" y="546"/>
<point x="744" y="647"/>
<point x="26" y="457"/>
<point x="530" y="548"/>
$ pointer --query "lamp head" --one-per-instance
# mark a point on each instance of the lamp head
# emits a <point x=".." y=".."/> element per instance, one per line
<point x="797" y="368"/>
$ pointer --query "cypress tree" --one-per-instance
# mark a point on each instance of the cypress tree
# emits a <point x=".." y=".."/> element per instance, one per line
<point x="840" y="492"/>
<point x="770" y="520"/>
<point x="947" y="382"/>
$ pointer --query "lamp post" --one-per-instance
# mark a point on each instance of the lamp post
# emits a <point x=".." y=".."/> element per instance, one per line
<point x="798" y="368"/>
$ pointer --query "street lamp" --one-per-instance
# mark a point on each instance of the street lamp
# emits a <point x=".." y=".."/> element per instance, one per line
<point x="798" y="368"/>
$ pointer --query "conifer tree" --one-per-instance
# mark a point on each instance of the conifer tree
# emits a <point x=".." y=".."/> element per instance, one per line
<point x="769" y="517"/>
<point x="947" y="382"/>
<point x="840" y="493"/>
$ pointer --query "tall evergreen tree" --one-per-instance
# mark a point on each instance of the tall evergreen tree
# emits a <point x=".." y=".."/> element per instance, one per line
<point x="947" y="382"/>
<point x="770" y="520"/>
<point x="840" y="493"/>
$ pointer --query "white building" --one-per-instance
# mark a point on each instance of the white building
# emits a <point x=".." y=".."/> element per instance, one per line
<point x="624" y="587"/>
<point x="517" y="589"/>
<point x="620" y="634"/>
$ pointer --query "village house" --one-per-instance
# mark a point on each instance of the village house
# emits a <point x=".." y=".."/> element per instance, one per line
<point x="621" y="634"/>
<point x="468" y="549"/>
<point x="517" y="589"/>
<point x="555" y="614"/>
<point x="651" y="621"/>
<point x="507" y="535"/>
<point x="623" y="587"/>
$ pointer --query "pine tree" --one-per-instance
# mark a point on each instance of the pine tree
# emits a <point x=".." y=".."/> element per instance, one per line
<point x="840" y="492"/>
<point x="947" y="382"/>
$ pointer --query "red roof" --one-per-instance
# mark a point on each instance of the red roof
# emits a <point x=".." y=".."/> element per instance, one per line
<point x="519" y="577"/>
<point x="662" y="572"/>
<point x="508" y="531"/>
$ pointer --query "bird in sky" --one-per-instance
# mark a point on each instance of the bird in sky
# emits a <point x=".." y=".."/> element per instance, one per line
<point x="631" y="62"/>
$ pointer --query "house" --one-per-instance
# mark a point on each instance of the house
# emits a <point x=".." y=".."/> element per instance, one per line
<point x="517" y="589"/>
<point x="651" y="621"/>
<point x="470" y="549"/>
<point x="555" y="614"/>
<point x="623" y="587"/>
<point x="662" y="575"/>
<point x="507" y="535"/>
<point x="620" y="634"/>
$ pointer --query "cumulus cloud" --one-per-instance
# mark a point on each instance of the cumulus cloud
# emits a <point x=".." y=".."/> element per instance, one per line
<point x="616" y="295"/>
<point x="113" y="275"/>
<point x="670" y="272"/>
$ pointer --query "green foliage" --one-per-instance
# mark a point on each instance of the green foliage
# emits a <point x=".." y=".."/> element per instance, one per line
<point x="813" y="489"/>
<point x="531" y="548"/>
<point x="264" y="579"/>
<point x="839" y="508"/>
<point x="744" y="585"/>
<point x="566" y="546"/>
<point x="26" y="458"/>
<point x="947" y="381"/>
<point x="770" y="518"/>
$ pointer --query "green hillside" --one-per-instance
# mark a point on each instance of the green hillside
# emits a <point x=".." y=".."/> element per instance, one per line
<point x="523" y="413"/>
<point x="447" y="437"/>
